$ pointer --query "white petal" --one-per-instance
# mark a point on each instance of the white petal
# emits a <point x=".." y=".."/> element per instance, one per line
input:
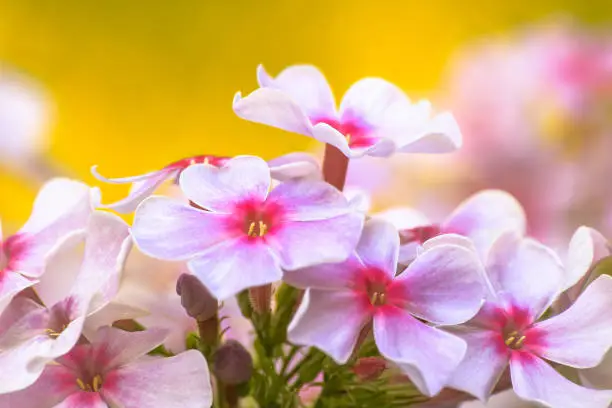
<point x="219" y="188"/>
<point x="330" y="321"/>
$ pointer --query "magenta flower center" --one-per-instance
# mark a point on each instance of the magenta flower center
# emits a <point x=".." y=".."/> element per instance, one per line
<point x="375" y="287"/>
<point x="357" y="134"/>
<point x="256" y="219"/>
<point x="515" y="339"/>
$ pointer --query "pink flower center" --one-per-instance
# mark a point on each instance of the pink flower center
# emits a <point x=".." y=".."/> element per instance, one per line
<point x="357" y="134"/>
<point x="515" y="330"/>
<point x="375" y="287"/>
<point x="419" y="234"/>
<point x="256" y="219"/>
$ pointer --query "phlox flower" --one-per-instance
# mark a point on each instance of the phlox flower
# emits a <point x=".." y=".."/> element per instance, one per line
<point x="242" y="234"/>
<point x="442" y="286"/>
<point x="292" y="165"/>
<point x="32" y="334"/>
<point x="524" y="278"/>
<point x="482" y="218"/>
<point x="374" y="118"/>
<point x="114" y="371"/>
<point x="61" y="211"/>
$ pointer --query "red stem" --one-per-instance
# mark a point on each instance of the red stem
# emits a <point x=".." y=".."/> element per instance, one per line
<point x="335" y="166"/>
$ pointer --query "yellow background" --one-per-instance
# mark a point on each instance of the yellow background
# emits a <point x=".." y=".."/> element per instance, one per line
<point x="139" y="83"/>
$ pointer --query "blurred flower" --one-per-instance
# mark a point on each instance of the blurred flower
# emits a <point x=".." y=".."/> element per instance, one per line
<point x="24" y="121"/>
<point x="375" y="117"/>
<point x="506" y="330"/>
<point x="114" y="370"/>
<point x="232" y="363"/>
<point x="441" y="286"/>
<point x="33" y="334"/>
<point x="251" y="234"/>
<point x="61" y="211"/>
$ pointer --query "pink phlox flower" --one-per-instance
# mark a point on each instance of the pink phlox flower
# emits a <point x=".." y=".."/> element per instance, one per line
<point x="442" y="286"/>
<point x="374" y="118"/>
<point x="292" y="165"/>
<point x="61" y="211"/>
<point x="33" y="334"/>
<point x="114" y="370"/>
<point x="524" y="278"/>
<point x="242" y="234"/>
<point x="482" y="218"/>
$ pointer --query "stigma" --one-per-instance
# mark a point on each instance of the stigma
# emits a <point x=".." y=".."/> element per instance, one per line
<point x="95" y="386"/>
<point x="257" y="229"/>
<point x="515" y="340"/>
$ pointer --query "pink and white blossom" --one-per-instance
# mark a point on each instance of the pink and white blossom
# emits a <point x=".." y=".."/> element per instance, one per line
<point x="242" y="234"/>
<point x="442" y="286"/>
<point x="524" y="278"/>
<point x="482" y="218"/>
<point x="289" y="166"/>
<point x="375" y="117"/>
<point x="32" y="334"/>
<point x="114" y="371"/>
<point x="61" y="211"/>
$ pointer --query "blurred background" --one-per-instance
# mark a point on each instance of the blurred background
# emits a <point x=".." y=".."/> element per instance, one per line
<point x="132" y="86"/>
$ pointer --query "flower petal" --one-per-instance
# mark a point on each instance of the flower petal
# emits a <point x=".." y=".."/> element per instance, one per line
<point x="428" y="355"/>
<point x="167" y="229"/>
<point x="114" y="348"/>
<point x="306" y="85"/>
<point x="512" y="266"/>
<point x="440" y="135"/>
<point x="444" y="285"/>
<point x="273" y="108"/>
<point x="378" y="246"/>
<point x="535" y="380"/>
<point x="379" y="104"/>
<point x="586" y="248"/>
<point x="18" y="358"/>
<point x="61" y="209"/>
<point x="295" y="165"/>
<point x="304" y="243"/>
<point x="235" y="265"/>
<point x="107" y="245"/>
<point x="484" y="217"/>
<point x="581" y="335"/>
<point x="143" y="186"/>
<point x="175" y="382"/>
<point x="482" y="365"/>
<point x="83" y="399"/>
<point x="403" y="217"/>
<point x="327" y="276"/>
<point x="308" y="200"/>
<point x="218" y="188"/>
<point x="330" y="135"/>
<point x="54" y="385"/>
<point x="330" y="321"/>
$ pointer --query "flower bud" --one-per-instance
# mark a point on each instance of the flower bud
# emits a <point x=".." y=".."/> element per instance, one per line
<point x="369" y="368"/>
<point x="195" y="298"/>
<point x="232" y="363"/>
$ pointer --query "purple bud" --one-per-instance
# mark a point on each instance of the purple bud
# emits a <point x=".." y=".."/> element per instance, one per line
<point x="195" y="298"/>
<point x="232" y="363"/>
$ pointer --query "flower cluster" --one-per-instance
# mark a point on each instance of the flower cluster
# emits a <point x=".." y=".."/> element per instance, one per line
<point x="287" y="288"/>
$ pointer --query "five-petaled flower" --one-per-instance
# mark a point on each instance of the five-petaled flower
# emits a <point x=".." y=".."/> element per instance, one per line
<point x="442" y="286"/>
<point x="524" y="278"/>
<point x="114" y="371"/>
<point x="238" y="234"/>
<point x="375" y="117"/>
